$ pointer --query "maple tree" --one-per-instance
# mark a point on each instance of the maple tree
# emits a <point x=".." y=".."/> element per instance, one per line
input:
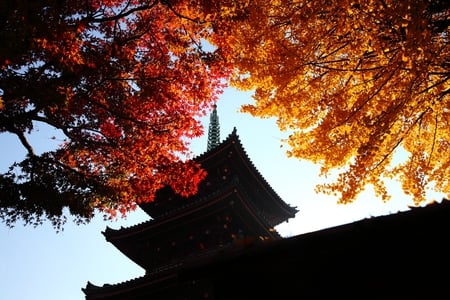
<point x="353" y="82"/>
<point x="124" y="82"/>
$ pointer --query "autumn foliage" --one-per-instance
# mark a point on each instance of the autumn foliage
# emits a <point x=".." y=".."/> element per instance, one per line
<point x="123" y="81"/>
<point x="354" y="82"/>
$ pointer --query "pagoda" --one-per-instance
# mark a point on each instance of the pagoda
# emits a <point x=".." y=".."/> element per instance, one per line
<point x="234" y="210"/>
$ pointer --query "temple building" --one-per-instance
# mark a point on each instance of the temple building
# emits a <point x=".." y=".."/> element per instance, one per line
<point x="221" y="244"/>
<point x="234" y="208"/>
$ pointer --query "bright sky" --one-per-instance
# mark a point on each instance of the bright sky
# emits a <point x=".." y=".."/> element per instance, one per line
<point x="40" y="264"/>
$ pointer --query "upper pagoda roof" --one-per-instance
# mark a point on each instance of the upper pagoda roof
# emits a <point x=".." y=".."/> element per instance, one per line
<point x="225" y="162"/>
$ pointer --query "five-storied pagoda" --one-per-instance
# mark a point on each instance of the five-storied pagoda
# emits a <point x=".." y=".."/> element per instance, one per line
<point x="221" y="245"/>
<point x="234" y="211"/>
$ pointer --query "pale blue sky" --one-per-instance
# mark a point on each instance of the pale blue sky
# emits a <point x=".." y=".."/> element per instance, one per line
<point x="40" y="264"/>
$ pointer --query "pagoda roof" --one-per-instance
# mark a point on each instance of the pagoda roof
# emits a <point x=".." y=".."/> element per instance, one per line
<point x="230" y="150"/>
<point x="129" y="240"/>
<point x="110" y="291"/>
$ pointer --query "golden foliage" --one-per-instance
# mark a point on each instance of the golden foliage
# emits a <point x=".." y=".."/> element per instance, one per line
<point x="353" y="81"/>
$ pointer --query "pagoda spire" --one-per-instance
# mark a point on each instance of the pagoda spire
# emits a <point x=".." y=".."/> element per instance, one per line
<point x="214" y="130"/>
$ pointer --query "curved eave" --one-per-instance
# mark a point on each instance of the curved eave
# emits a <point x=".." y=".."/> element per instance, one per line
<point x="127" y="288"/>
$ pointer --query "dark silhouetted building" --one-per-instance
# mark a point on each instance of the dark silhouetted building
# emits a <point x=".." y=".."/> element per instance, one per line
<point x="221" y="244"/>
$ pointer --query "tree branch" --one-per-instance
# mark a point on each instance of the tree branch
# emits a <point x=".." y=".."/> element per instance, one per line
<point x="24" y="141"/>
<point x="166" y="3"/>
<point x="122" y="14"/>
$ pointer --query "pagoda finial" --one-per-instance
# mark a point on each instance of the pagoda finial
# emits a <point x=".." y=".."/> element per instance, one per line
<point x="214" y="130"/>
